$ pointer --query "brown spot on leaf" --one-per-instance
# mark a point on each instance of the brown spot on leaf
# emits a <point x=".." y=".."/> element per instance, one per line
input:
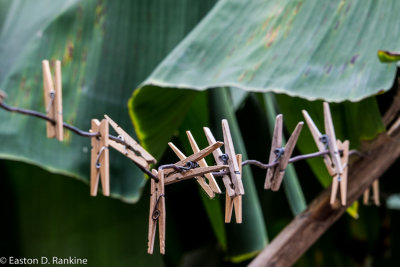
<point x="307" y="72"/>
<point x="266" y="22"/>
<point x="271" y="36"/>
<point x="298" y="6"/>
<point x="347" y="8"/>
<point x="337" y="25"/>
<point x="329" y="69"/>
<point x="354" y="59"/>
<point x="69" y="52"/>
<point x="241" y="77"/>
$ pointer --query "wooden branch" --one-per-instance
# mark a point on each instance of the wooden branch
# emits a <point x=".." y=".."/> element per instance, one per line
<point x="308" y="226"/>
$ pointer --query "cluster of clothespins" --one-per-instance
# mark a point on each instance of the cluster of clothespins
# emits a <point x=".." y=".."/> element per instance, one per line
<point x="228" y="165"/>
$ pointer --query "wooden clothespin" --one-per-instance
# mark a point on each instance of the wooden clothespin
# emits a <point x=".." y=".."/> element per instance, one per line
<point x="211" y="181"/>
<point x="172" y="176"/>
<point x="281" y="154"/>
<point x="200" y="179"/>
<point x="232" y="197"/>
<point x="99" y="165"/>
<point x="235" y="201"/>
<point x="333" y="162"/>
<point x="320" y="141"/>
<point x="136" y="152"/>
<point x="157" y="212"/>
<point x="230" y="158"/>
<point x="375" y="191"/>
<point x="53" y="100"/>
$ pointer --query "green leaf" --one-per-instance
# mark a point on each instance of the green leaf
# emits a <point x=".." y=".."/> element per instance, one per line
<point x="307" y="48"/>
<point x="106" y="48"/>
<point x="155" y="119"/>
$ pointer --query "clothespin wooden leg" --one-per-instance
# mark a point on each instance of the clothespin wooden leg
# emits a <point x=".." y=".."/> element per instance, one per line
<point x="58" y="103"/>
<point x="99" y="158"/>
<point x="345" y="159"/>
<point x="104" y="158"/>
<point x="49" y="94"/>
<point x="152" y="223"/>
<point x="94" y="172"/>
<point x="366" y="197"/>
<point x="157" y="212"/>
<point x="231" y="160"/>
<point x="343" y="177"/>
<point x="375" y="194"/>
<point x="53" y="100"/>
<point x="235" y="201"/>
<point x="335" y="184"/>
<point x="161" y="203"/>
<point x="276" y="143"/>
<point x="228" y="208"/>
<point x="375" y="190"/>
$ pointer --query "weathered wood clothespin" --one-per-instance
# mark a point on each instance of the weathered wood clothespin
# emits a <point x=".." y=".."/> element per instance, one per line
<point x="135" y="152"/>
<point x="157" y="212"/>
<point x="234" y="202"/>
<point x="334" y="162"/>
<point x="200" y="179"/>
<point x="99" y="165"/>
<point x="375" y="192"/>
<point x="53" y="100"/>
<point x="233" y="180"/>
<point x="190" y="166"/>
<point x="281" y="154"/>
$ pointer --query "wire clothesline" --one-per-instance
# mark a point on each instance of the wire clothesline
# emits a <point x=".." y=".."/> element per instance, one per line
<point x="83" y="133"/>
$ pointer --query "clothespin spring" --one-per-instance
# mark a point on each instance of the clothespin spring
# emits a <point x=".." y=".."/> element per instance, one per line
<point x="156" y="212"/>
<point x="325" y="140"/>
<point x="52" y="95"/>
<point x="98" y="164"/>
<point x="279" y="153"/>
<point x="224" y="158"/>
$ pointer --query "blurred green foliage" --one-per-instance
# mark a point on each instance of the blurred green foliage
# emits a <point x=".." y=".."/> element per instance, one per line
<point x="107" y="49"/>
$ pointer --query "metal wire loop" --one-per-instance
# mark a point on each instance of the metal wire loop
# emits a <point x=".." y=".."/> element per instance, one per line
<point x="325" y="140"/>
<point x="52" y="95"/>
<point x="192" y="165"/>
<point x="156" y="212"/>
<point x="279" y="153"/>
<point x="98" y="164"/>
<point x="224" y="158"/>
